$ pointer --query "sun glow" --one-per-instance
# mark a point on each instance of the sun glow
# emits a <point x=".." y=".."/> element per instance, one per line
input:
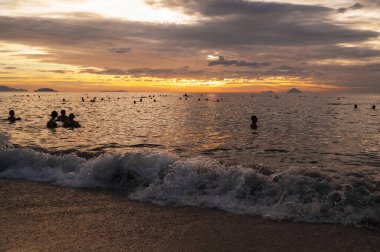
<point x="136" y="10"/>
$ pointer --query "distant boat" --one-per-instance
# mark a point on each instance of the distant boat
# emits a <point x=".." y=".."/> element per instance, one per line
<point x="10" y="89"/>
<point x="45" y="90"/>
<point x="268" y="92"/>
<point x="294" y="91"/>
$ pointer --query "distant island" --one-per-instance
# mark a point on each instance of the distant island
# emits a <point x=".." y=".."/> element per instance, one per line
<point x="45" y="90"/>
<point x="10" y="89"/>
<point x="294" y="91"/>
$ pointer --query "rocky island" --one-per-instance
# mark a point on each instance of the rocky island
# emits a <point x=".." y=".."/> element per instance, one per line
<point x="294" y="91"/>
<point x="10" y="89"/>
<point x="45" y="90"/>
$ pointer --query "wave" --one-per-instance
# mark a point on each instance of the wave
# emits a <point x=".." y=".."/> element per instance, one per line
<point x="308" y="195"/>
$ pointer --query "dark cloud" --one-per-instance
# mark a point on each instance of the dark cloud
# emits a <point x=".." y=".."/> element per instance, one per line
<point x="356" y="6"/>
<point x="10" y="68"/>
<point x="107" y="71"/>
<point x="241" y="22"/>
<point x="239" y="63"/>
<point x="120" y="50"/>
<point x="239" y="7"/>
<point x="374" y="67"/>
<point x="285" y="70"/>
<point x="58" y="71"/>
<point x="275" y="26"/>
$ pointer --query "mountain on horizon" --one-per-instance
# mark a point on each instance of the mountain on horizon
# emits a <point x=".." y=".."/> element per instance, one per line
<point x="294" y="91"/>
<point x="10" y="89"/>
<point x="45" y="90"/>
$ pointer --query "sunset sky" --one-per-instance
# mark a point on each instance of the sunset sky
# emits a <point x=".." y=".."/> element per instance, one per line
<point x="191" y="45"/>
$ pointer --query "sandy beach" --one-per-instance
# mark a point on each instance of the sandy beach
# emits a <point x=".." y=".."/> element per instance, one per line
<point x="37" y="216"/>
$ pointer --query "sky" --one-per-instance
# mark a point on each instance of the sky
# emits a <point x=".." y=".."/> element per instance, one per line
<point x="326" y="46"/>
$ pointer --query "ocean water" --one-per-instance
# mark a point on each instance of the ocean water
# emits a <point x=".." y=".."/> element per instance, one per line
<point x="312" y="158"/>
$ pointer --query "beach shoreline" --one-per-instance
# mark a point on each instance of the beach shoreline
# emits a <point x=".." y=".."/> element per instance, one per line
<point x="39" y="216"/>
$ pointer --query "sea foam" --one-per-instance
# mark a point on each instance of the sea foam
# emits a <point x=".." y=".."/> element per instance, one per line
<point x="295" y="194"/>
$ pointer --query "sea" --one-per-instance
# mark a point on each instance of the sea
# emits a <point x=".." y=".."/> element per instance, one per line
<point x="313" y="158"/>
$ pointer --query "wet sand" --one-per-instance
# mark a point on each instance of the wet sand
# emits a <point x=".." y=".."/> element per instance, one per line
<point x="38" y="216"/>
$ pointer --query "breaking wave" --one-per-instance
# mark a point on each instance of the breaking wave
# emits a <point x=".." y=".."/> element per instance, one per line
<point x="295" y="194"/>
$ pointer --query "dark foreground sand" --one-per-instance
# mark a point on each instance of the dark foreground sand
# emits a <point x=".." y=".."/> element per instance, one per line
<point x="36" y="216"/>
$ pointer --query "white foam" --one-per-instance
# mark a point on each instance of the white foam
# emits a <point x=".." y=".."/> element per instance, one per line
<point x="295" y="194"/>
<point x="5" y="140"/>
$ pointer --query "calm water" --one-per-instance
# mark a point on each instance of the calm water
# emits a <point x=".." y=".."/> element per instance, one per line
<point x="294" y="130"/>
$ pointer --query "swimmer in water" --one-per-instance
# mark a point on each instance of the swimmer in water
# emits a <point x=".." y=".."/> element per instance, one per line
<point x="254" y="122"/>
<point x="12" y="118"/>
<point x="71" y="123"/>
<point x="52" y="123"/>
<point x="63" y="117"/>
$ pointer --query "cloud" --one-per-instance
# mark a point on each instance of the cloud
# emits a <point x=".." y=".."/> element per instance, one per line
<point x="7" y="51"/>
<point x="14" y="4"/>
<point x="374" y="67"/>
<point x="267" y="24"/>
<point x="356" y="6"/>
<point x="144" y="72"/>
<point x="286" y="35"/>
<point x="239" y="63"/>
<point x="120" y="50"/>
<point x="107" y="71"/>
<point x="240" y="7"/>
<point x="58" y="71"/>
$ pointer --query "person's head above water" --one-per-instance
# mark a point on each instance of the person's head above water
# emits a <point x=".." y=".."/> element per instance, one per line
<point x="11" y="112"/>
<point x="63" y="112"/>
<point x="71" y="116"/>
<point x="54" y="114"/>
<point x="254" y="119"/>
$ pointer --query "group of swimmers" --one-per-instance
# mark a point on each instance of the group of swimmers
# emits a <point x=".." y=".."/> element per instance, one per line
<point x="68" y="121"/>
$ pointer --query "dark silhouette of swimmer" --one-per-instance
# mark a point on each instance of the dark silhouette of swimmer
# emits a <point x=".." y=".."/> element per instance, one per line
<point x="71" y="123"/>
<point x="52" y="123"/>
<point x="254" y="122"/>
<point x="356" y="106"/>
<point x="63" y="117"/>
<point x="373" y="106"/>
<point x="12" y="118"/>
